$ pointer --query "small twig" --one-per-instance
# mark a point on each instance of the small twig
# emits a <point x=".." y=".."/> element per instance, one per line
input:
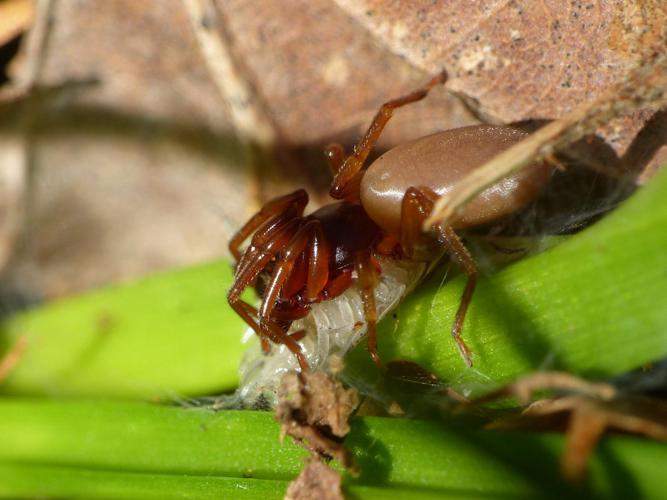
<point x="11" y="359"/>
<point x="644" y="88"/>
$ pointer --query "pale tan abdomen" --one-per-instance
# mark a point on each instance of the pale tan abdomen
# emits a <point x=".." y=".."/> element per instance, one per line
<point x="441" y="160"/>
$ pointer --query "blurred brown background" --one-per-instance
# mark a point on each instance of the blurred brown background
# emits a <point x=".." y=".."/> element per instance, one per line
<point x="137" y="136"/>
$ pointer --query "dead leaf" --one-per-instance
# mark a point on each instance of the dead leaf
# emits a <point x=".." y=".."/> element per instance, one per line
<point x="642" y="87"/>
<point x="521" y="60"/>
<point x="322" y="77"/>
<point x="136" y="174"/>
<point x="524" y="388"/>
<point x="170" y="181"/>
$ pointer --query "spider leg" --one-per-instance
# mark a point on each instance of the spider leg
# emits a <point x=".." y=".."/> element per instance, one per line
<point x="248" y="274"/>
<point x="337" y="285"/>
<point x="460" y="254"/>
<point x="261" y="256"/>
<point x="274" y="207"/>
<point x="262" y="240"/>
<point x="310" y="236"/>
<point x="417" y="206"/>
<point x="272" y="332"/>
<point x="335" y="155"/>
<point x="248" y="313"/>
<point x="318" y="263"/>
<point x="347" y="176"/>
<point x="368" y="279"/>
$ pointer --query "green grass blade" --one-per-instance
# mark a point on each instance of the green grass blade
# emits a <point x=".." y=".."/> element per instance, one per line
<point x="595" y="305"/>
<point x="125" y="445"/>
<point x="49" y="481"/>
<point x="164" y="336"/>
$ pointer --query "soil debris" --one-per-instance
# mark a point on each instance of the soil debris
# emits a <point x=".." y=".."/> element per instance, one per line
<point x="317" y="481"/>
<point x="314" y="409"/>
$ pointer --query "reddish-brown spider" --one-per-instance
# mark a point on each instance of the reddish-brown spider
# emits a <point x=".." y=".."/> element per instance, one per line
<point x="316" y="257"/>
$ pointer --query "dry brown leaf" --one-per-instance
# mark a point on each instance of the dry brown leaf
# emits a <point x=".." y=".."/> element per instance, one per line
<point x="251" y="121"/>
<point x="15" y="17"/>
<point x="524" y="388"/>
<point x="138" y="173"/>
<point x="520" y="59"/>
<point x="642" y="87"/>
<point x="322" y="76"/>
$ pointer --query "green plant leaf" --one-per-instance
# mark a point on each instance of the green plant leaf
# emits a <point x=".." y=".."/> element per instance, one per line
<point x="165" y="336"/>
<point x="596" y="305"/>
<point x="102" y="449"/>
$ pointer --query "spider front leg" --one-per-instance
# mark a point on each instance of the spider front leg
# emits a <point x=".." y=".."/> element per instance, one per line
<point x="460" y="254"/>
<point x="248" y="314"/>
<point x="348" y="173"/>
<point x="335" y="155"/>
<point x="298" y="200"/>
<point x="416" y="207"/>
<point x="309" y="237"/>
<point x="275" y="224"/>
<point x="263" y="247"/>
<point x="271" y="331"/>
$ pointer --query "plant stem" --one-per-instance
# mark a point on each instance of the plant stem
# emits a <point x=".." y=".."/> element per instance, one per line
<point x="104" y="449"/>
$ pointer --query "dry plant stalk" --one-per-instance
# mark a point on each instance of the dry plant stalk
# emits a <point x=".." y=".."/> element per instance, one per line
<point x="644" y="88"/>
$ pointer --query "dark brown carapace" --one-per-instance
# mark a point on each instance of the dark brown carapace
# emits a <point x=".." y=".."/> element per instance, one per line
<point x="315" y="257"/>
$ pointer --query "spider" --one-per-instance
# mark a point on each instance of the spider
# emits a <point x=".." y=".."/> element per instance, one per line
<point x="296" y="260"/>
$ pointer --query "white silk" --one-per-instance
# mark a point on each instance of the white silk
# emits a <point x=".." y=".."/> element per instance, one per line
<point x="332" y="328"/>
